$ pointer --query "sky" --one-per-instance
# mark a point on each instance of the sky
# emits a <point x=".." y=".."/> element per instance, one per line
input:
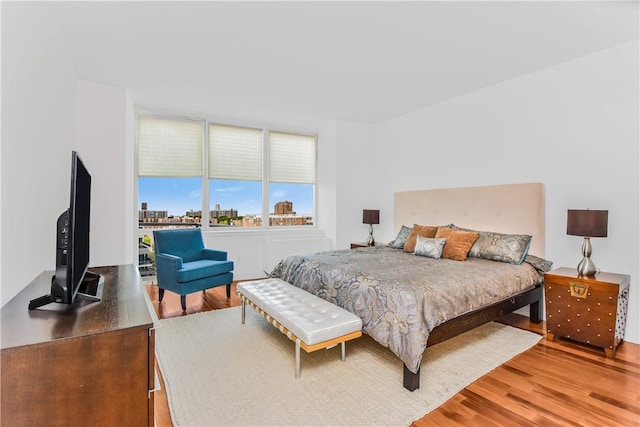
<point x="180" y="195"/>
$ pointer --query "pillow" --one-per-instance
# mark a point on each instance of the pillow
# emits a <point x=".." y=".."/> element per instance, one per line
<point x="510" y="248"/>
<point x="418" y="230"/>
<point x="540" y="264"/>
<point x="401" y="238"/>
<point x="458" y="242"/>
<point x="429" y="247"/>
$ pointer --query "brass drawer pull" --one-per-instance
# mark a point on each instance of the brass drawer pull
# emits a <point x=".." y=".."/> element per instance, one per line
<point x="578" y="289"/>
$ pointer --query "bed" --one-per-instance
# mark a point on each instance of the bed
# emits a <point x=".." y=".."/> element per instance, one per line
<point x="408" y="302"/>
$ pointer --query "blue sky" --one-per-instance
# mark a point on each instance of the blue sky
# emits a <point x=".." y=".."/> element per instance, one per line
<point x="179" y="195"/>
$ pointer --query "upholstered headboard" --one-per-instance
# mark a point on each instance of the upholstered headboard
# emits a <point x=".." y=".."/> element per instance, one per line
<point x="511" y="208"/>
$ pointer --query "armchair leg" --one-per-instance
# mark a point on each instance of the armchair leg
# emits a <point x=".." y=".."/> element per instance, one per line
<point x="183" y="302"/>
<point x="229" y="291"/>
<point x="160" y="294"/>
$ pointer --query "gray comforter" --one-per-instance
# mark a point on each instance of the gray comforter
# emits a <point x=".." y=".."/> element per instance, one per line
<point x="401" y="297"/>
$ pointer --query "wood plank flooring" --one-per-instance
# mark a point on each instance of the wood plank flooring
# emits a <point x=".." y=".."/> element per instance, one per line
<point x="561" y="383"/>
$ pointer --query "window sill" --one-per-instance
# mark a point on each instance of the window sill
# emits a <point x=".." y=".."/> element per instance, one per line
<point x="279" y="232"/>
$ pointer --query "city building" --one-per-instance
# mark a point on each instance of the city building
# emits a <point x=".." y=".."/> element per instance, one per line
<point x="217" y="212"/>
<point x="284" y="208"/>
<point x="145" y="215"/>
<point x="282" y="220"/>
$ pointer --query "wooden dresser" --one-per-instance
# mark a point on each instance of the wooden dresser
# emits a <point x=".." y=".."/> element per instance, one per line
<point x="91" y="363"/>
<point x="592" y="310"/>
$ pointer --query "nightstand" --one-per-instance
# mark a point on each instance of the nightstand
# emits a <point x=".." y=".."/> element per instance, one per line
<point x="588" y="309"/>
<point x="362" y="245"/>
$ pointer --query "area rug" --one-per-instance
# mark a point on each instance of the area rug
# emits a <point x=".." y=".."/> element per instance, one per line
<point x="218" y="371"/>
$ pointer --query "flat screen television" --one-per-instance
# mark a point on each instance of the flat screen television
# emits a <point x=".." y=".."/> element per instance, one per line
<point x="72" y="278"/>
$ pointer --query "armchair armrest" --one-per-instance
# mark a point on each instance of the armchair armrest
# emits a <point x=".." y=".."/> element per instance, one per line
<point x="167" y="267"/>
<point x="214" y="255"/>
<point x="169" y="260"/>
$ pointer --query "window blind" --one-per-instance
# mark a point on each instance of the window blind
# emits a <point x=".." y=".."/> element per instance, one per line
<point x="169" y="147"/>
<point x="292" y="158"/>
<point x="235" y="153"/>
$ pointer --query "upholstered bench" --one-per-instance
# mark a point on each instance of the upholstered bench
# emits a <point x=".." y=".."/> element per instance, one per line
<point x="311" y="322"/>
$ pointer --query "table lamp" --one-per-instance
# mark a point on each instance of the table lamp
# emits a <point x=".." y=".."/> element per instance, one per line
<point x="587" y="223"/>
<point x="370" y="216"/>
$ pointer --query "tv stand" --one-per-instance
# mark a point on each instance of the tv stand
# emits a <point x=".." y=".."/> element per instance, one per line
<point x="90" y="290"/>
<point x="39" y="302"/>
<point x="82" y="365"/>
<point x="91" y="287"/>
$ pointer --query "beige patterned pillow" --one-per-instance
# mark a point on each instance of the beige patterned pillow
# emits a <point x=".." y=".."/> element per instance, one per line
<point x="511" y="248"/>
<point x="401" y="238"/>
<point x="429" y="247"/>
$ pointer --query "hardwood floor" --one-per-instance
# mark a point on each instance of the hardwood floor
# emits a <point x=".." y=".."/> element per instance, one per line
<point x="561" y="383"/>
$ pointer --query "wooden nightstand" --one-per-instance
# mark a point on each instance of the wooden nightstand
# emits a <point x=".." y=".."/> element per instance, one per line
<point x="362" y="245"/>
<point x="592" y="310"/>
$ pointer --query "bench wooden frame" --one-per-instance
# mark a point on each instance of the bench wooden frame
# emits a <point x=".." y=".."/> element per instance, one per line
<point x="298" y="342"/>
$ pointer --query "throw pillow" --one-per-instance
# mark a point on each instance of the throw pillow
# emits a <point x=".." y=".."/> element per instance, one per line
<point x="429" y="247"/>
<point x="510" y="248"/>
<point x="458" y="242"/>
<point x="540" y="264"/>
<point x="401" y="238"/>
<point x="418" y="230"/>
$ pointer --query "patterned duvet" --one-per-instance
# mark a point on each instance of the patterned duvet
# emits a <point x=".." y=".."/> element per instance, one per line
<point x="401" y="297"/>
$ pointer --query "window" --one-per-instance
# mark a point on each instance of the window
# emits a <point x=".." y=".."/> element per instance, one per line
<point x="170" y="165"/>
<point x="192" y="172"/>
<point x="292" y="177"/>
<point x="235" y="176"/>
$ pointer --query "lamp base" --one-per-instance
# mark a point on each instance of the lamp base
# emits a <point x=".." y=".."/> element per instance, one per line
<point x="586" y="267"/>
<point x="370" y="240"/>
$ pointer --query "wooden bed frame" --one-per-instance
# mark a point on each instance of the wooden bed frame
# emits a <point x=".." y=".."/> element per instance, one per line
<point x="511" y="208"/>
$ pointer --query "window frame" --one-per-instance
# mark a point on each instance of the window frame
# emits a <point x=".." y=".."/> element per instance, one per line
<point x="265" y="206"/>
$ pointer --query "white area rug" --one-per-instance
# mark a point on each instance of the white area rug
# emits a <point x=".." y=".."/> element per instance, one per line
<point x="220" y="372"/>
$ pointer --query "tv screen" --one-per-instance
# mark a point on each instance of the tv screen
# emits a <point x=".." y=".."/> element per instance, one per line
<point x="72" y="244"/>
<point x="79" y="217"/>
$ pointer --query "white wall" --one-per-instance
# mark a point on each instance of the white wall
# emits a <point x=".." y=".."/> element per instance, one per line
<point x="363" y="162"/>
<point x="38" y="134"/>
<point x="573" y="127"/>
<point x="104" y="140"/>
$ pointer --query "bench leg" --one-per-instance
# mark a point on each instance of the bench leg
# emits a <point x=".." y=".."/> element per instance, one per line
<point x="298" y="358"/>
<point x="344" y="355"/>
<point x="244" y="305"/>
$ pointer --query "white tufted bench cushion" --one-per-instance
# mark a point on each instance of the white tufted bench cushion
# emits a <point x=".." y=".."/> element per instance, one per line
<point x="311" y="322"/>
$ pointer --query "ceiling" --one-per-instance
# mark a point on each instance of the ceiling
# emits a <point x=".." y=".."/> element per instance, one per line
<point x="360" y="61"/>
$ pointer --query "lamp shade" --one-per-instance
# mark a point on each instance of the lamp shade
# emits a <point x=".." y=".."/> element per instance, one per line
<point x="587" y="223"/>
<point x="370" y="216"/>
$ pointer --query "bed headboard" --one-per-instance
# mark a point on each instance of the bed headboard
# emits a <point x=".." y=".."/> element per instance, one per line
<point x="510" y="208"/>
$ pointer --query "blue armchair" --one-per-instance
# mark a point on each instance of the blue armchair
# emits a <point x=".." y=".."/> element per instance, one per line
<point x="184" y="265"/>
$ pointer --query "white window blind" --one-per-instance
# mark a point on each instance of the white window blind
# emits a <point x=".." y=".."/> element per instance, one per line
<point x="169" y="147"/>
<point x="235" y="153"/>
<point x="292" y="158"/>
